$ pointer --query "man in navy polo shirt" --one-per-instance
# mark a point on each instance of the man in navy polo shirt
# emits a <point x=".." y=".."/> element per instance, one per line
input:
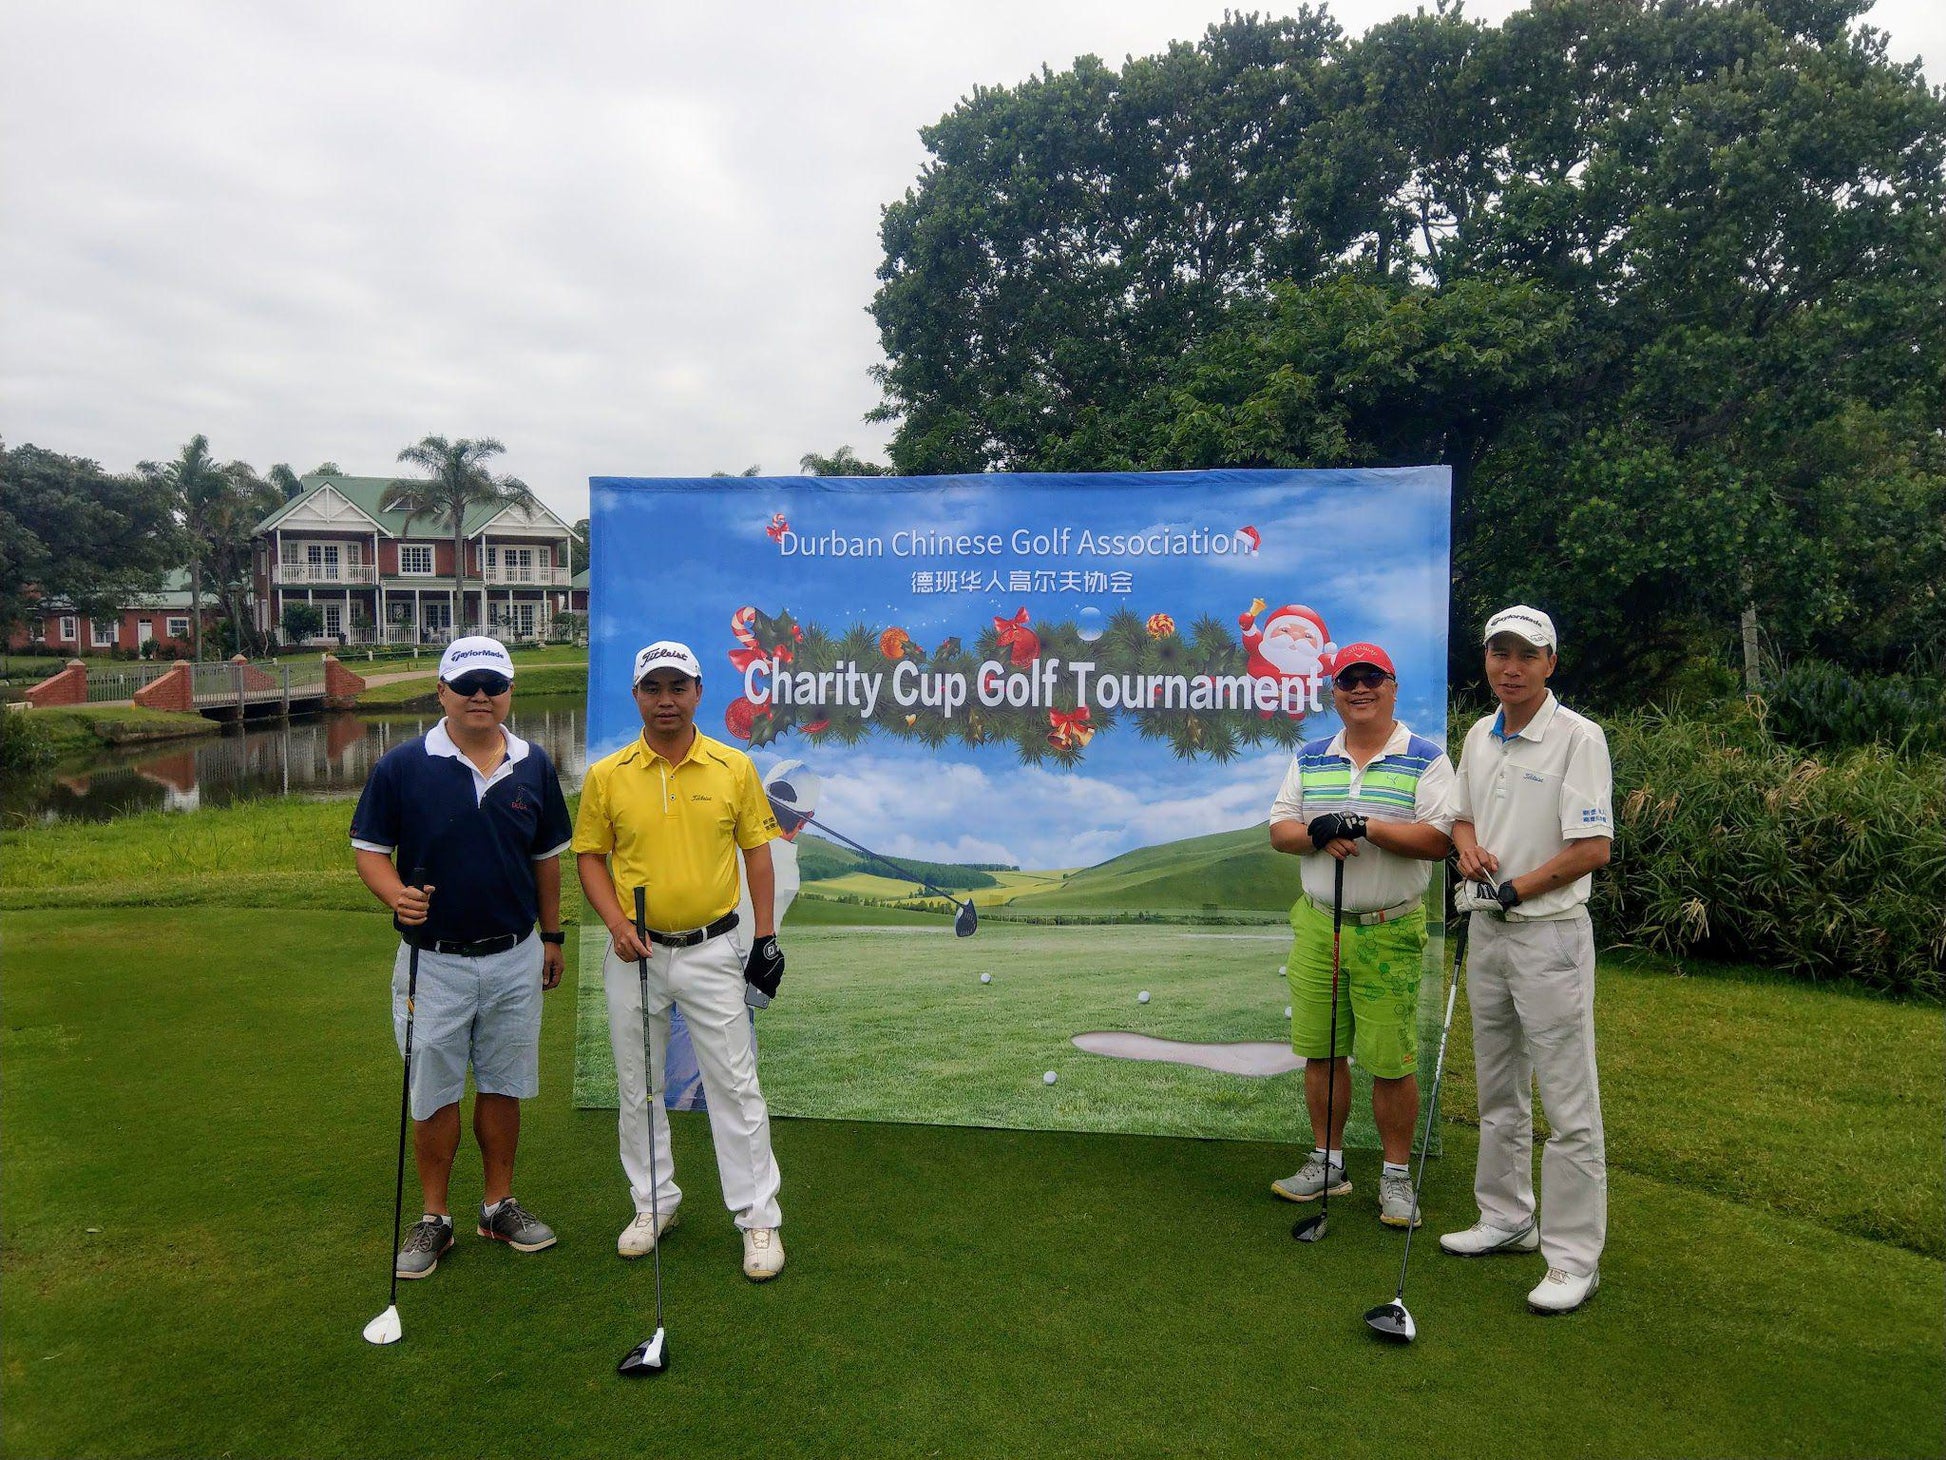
<point x="481" y="812"/>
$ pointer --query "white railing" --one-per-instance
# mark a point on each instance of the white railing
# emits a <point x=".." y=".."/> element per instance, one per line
<point x="311" y="574"/>
<point x="120" y="681"/>
<point x="508" y="575"/>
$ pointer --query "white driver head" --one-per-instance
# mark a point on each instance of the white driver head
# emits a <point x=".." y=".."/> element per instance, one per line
<point x="645" y="1359"/>
<point x="385" y="1328"/>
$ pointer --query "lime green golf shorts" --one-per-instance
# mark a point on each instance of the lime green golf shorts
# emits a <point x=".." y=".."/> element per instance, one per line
<point x="1378" y="989"/>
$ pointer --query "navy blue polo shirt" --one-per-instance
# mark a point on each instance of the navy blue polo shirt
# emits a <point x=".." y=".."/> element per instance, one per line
<point x="476" y="836"/>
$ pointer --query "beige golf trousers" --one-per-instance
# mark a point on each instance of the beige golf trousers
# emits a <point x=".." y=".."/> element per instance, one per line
<point x="1531" y="987"/>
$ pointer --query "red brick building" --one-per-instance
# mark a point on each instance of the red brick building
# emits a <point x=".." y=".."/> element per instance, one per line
<point x="162" y="618"/>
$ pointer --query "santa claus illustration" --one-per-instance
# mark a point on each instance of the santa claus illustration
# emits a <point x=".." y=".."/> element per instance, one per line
<point x="1292" y="643"/>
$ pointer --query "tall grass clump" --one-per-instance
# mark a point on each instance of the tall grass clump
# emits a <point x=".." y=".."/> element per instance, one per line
<point x="1732" y="845"/>
<point x="24" y="743"/>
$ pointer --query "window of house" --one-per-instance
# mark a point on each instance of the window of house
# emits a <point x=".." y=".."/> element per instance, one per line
<point x="415" y="558"/>
<point x="101" y="632"/>
<point x="179" y="628"/>
<point x="67" y="628"/>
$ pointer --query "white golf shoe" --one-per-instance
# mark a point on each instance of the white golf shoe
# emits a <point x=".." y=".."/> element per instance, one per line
<point x="1563" y="1292"/>
<point x="639" y="1237"/>
<point x="1483" y="1239"/>
<point x="763" y="1253"/>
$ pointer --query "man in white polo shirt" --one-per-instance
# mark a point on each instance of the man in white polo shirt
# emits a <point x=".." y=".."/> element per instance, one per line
<point x="1372" y="799"/>
<point x="1531" y="823"/>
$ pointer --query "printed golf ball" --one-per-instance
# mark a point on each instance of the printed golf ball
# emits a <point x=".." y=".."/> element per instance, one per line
<point x="986" y="978"/>
<point x="1143" y="997"/>
<point x="1049" y="1078"/>
<point x="1283" y="968"/>
<point x="1287" y="1011"/>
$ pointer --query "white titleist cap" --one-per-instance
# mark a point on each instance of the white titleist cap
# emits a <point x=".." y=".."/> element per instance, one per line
<point x="475" y="651"/>
<point x="1527" y="623"/>
<point x="666" y="654"/>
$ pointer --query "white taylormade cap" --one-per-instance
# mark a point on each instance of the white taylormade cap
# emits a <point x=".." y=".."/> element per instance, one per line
<point x="666" y="654"/>
<point x="1527" y="623"/>
<point x="475" y="651"/>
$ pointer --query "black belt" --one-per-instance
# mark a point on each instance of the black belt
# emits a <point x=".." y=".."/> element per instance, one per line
<point x="460" y="948"/>
<point x="695" y="935"/>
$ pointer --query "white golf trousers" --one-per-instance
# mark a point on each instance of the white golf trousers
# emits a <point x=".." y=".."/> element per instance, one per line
<point x="706" y="981"/>
<point x="1531" y="987"/>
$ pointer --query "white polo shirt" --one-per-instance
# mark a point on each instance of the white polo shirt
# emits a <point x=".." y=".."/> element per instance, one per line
<point x="1409" y="780"/>
<point x="1529" y="794"/>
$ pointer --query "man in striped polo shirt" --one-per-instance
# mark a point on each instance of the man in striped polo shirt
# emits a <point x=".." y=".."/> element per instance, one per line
<point x="1374" y="798"/>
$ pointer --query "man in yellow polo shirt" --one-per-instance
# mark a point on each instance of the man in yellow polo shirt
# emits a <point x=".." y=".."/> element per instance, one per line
<point x="667" y="813"/>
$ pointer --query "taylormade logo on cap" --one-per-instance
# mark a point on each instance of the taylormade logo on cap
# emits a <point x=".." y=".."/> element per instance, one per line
<point x="666" y="654"/>
<point x="475" y="651"/>
<point x="1527" y="623"/>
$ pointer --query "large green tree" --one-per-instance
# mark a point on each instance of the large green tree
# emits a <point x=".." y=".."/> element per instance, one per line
<point x="457" y="479"/>
<point x="197" y="487"/>
<point x="72" y="531"/>
<point x="218" y="508"/>
<point x="1660" y="282"/>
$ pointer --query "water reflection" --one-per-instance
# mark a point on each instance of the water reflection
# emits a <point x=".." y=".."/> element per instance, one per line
<point x="323" y="756"/>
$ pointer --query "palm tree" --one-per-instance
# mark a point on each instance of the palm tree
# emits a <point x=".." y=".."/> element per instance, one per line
<point x="457" y="479"/>
<point x="198" y="487"/>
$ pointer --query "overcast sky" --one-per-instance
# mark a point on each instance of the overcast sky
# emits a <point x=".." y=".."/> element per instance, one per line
<point x="625" y="238"/>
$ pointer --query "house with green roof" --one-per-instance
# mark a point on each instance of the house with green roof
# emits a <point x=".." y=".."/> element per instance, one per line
<point x="56" y="626"/>
<point x="374" y="577"/>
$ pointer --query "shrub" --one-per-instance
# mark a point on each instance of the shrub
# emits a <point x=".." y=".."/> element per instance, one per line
<point x="24" y="743"/>
<point x="302" y="621"/>
<point x="1732" y="845"/>
<point x="1814" y="705"/>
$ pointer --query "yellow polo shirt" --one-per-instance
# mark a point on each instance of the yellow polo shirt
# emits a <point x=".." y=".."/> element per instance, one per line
<point x="674" y="829"/>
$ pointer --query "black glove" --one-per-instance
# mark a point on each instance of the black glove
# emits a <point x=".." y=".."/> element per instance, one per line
<point x="1507" y="896"/>
<point x="763" y="970"/>
<point x="1332" y="825"/>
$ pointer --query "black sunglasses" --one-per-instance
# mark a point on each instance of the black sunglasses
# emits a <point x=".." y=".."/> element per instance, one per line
<point x="1362" y="676"/>
<point x="473" y="682"/>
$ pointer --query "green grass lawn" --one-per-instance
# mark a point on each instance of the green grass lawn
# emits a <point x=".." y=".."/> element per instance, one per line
<point x="198" y="1143"/>
<point x="78" y="729"/>
<point x="557" y="669"/>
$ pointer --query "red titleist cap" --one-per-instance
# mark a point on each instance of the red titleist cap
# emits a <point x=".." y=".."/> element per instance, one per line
<point x="1362" y="654"/>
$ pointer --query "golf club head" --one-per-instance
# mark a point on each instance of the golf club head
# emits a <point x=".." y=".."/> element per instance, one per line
<point x="385" y="1328"/>
<point x="646" y="1359"/>
<point x="967" y="921"/>
<point x="1311" y="1229"/>
<point x="1392" y="1321"/>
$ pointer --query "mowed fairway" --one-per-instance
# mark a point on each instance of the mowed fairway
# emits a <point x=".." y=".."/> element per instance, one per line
<point x="198" y="1149"/>
<point x="893" y="1023"/>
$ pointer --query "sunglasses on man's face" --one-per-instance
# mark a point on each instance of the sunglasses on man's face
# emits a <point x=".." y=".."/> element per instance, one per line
<point x="468" y="685"/>
<point x="1362" y="677"/>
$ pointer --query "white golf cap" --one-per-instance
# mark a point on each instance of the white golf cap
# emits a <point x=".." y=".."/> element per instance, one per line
<point x="666" y="654"/>
<point x="1523" y="622"/>
<point x="475" y="651"/>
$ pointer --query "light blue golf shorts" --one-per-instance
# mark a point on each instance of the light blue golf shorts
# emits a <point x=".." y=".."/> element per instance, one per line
<point x="485" y="1012"/>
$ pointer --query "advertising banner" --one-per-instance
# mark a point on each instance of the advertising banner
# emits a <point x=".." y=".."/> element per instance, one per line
<point x="1027" y="730"/>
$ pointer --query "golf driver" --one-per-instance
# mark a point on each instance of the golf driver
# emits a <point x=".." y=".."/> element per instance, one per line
<point x="651" y="1356"/>
<point x="966" y="921"/>
<point x="1312" y="1229"/>
<point x="1393" y="1320"/>
<point x="385" y="1328"/>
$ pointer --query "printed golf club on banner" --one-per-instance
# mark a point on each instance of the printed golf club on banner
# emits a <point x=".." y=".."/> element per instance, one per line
<point x="1048" y="713"/>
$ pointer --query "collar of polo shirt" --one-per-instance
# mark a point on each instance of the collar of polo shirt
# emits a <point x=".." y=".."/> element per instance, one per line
<point x="1396" y="742"/>
<point x="1534" y="729"/>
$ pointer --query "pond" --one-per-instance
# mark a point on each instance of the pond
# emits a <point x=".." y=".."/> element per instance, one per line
<point x="317" y="756"/>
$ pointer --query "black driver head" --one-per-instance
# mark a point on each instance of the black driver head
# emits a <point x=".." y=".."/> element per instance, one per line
<point x="1311" y="1229"/>
<point x="967" y="921"/>
<point x="1391" y="1321"/>
<point x="647" y="1359"/>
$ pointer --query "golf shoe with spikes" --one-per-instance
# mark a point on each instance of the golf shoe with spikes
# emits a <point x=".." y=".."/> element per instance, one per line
<point x="1563" y="1292"/>
<point x="1395" y="1204"/>
<point x="763" y="1253"/>
<point x="1483" y="1239"/>
<point x="430" y="1239"/>
<point x="1308" y="1183"/>
<point x="639" y="1237"/>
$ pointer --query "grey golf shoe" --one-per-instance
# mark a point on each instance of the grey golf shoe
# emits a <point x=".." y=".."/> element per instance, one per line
<point x="429" y="1240"/>
<point x="1309" y="1182"/>
<point x="1395" y="1201"/>
<point x="513" y="1224"/>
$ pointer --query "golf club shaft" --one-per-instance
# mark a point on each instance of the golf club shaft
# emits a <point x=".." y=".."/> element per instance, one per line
<point x="648" y="1084"/>
<point x="1432" y="1101"/>
<point x="405" y="1091"/>
<point x="1331" y="1050"/>
<point x="906" y="872"/>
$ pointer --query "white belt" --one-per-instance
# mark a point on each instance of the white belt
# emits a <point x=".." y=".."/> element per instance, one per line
<point x="1369" y="919"/>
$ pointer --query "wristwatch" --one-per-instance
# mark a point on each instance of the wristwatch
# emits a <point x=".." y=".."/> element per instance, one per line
<point x="557" y="939"/>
